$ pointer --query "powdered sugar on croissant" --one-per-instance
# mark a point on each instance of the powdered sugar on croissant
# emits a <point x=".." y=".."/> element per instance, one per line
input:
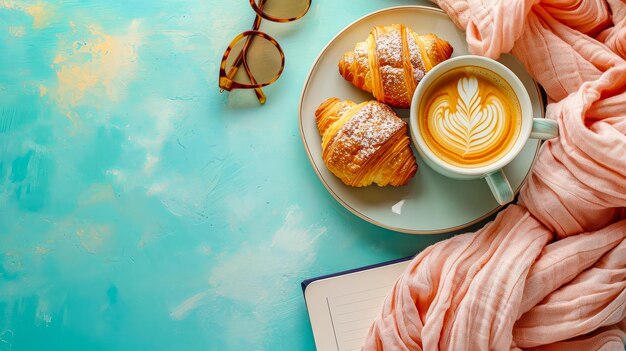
<point x="365" y="143"/>
<point x="392" y="61"/>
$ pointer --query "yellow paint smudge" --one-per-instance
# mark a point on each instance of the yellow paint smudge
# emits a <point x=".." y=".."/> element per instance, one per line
<point x="41" y="250"/>
<point x="41" y="14"/>
<point x="42" y="90"/>
<point x="77" y="79"/>
<point x="95" y="65"/>
<point x="58" y="59"/>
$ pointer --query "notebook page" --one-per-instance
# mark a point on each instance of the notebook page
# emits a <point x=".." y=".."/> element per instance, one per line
<point x="353" y="314"/>
<point x="342" y="308"/>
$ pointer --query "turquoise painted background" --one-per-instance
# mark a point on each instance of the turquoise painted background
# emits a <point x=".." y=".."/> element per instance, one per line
<point x="142" y="209"/>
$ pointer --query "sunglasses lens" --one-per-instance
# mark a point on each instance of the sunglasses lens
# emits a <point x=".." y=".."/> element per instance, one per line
<point x="263" y="58"/>
<point x="284" y="9"/>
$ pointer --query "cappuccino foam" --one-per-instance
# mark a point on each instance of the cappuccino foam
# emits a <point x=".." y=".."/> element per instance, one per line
<point x="470" y="117"/>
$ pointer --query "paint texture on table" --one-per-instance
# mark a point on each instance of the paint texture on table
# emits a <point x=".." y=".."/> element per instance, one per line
<point x="142" y="209"/>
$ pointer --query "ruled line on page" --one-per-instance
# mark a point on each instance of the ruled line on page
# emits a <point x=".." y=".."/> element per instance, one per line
<point x="349" y="312"/>
<point x="364" y="291"/>
<point x="362" y="300"/>
<point x="355" y="320"/>
<point x="354" y="330"/>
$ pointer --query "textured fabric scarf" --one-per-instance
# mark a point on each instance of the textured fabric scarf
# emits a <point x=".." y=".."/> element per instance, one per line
<point x="550" y="272"/>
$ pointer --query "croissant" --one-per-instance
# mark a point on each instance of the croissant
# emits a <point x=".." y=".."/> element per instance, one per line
<point x="365" y="143"/>
<point x="392" y="61"/>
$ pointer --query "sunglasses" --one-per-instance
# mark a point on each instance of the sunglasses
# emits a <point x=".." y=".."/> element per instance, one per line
<point x="260" y="55"/>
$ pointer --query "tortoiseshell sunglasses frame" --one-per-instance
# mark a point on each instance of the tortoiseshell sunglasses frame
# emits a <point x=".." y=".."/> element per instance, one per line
<point x="225" y="81"/>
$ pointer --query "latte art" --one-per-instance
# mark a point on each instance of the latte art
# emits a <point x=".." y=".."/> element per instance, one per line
<point x="470" y="120"/>
<point x="468" y="126"/>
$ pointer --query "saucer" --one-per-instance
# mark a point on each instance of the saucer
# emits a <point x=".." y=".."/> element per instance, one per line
<point x="430" y="203"/>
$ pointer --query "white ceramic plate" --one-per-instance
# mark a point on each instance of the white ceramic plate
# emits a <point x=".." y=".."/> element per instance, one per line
<point x="430" y="203"/>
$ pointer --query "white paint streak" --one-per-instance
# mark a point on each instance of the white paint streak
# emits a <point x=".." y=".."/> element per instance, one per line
<point x="156" y="188"/>
<point x="6" y="339"/>
<point x="290" y="237"/>
<point x="17" y="31"/>
<point x="189" y="195"/>
<point x="262" y="274"/>
<point x="182" y="311"/>
<point x="42" y="312"/>
<point x="164" y="114"/>
<point x="114" y="172"/>
<point x="242" y="207"/>
<point x="151" y="162"/>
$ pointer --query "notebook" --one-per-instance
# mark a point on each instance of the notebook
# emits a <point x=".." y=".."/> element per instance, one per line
<point x="342" y="306"/>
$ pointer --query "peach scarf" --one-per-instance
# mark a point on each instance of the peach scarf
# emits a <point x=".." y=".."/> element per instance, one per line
<point x="550" y="272"/>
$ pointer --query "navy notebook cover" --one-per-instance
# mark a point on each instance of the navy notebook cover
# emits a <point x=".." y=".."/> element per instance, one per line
<point x="306" y="282"/>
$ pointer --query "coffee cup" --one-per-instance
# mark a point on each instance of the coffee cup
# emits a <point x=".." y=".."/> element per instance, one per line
<point x="471" y="116"/>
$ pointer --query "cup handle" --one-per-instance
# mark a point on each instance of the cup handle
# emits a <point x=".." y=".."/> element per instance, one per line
<point x="544" y="129"/>
<point x="500" y="187"/>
